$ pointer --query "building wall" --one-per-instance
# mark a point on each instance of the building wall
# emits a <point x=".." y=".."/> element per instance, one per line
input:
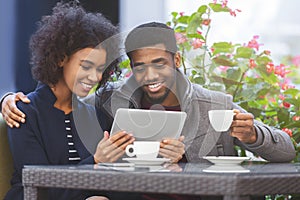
<point x="7" y="22"/>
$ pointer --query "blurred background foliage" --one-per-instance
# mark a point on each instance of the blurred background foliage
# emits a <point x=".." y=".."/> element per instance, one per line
<point x="257" y="83"/>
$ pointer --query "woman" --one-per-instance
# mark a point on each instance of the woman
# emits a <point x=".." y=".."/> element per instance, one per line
<point x="70" y="56"/>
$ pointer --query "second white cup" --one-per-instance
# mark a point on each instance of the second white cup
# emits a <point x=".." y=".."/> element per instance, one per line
<point x="221" y="119"/>
<point x="143" y="149"/>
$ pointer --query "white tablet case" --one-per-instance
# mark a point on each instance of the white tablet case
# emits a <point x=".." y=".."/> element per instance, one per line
<point x="149" y="125"/>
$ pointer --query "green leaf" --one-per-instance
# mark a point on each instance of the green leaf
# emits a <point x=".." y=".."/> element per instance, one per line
<point x="283" y="116"/>
<point x="293" y="101"/>
<point x="194" y="22"/>
<point x="234" y="74"/>
<point x="93" y="90"/>
<point x="215" y="86"/>
<point x="222" y="47"/>
<point x="247" y="94"/>
<point x="224" y="80"/>
<point x="224" y="61"/>
<point x="218" y="7"/>
<point x="264" y="91"/>
<point x="293" y="125"/>
<point x="125" y="64"/>
<point x="195" y="35"/>
<point x="174" y="14"/>
<point x="244" y="52"/>
<point x="292" y="91"/>
<point x="180" y="29"/>
<point x="198" y="79"/>
<point x="187" y="46"/>
<point x="255" y="111"/>
<point x="263" y="61"/>
<point x="202" y="9"/>
<point x="183" y="19"/>
<point x="270" y="78"/>
<point x="243" y="64"/>
<point x="194" y="72"/>
<point x="250" y="92"/>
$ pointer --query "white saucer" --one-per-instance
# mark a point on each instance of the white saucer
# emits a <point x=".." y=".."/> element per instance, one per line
<point x="155" y="161"/>
<point x="226" y="160"/>
<point x="226" y="169"/>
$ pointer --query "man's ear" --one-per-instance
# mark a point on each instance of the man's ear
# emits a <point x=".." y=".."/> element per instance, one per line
<point x="177" y="59"/>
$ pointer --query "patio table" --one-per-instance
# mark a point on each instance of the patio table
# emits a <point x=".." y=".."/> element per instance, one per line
<point x="260" y="179"/>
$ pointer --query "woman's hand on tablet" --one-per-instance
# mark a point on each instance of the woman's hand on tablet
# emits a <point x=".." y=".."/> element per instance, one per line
<point x="172" y="148"/>
<point x="110" y="149"/>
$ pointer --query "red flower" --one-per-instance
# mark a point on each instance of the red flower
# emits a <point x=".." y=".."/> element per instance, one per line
<point x="253" y="43"/>
<point x="288" y="131"/>
<point x="233" y="12"/>
<point x="273" y="100"/>
<point x="223" y="68"/>
<point x="180" y="38"/>
<point x="224" y="3"/>
<point x="206" y="22"/>
<point x="296" y="118"/>
<point x="296" y="61"/>
<point x="197" y="43"/>
<point x="281" y="97"/>
<point x="199" y="32"/>
<point x="252" y="63"/>
<point x="270" y="67"/>
<point x="286" y="104"/>
<point x="281" y="70"/>
<point x="285" y="85"/>
<point x="128" y="74"/>
<point x="267" y="52"/>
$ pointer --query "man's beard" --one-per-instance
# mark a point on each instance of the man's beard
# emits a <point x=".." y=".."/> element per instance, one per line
<point x="158" y="100"/>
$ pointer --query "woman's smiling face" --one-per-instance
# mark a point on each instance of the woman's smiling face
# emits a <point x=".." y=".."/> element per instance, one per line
<point x="83" y="70"/>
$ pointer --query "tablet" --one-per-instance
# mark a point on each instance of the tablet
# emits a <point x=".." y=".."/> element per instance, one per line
<point x="149" y="125"/>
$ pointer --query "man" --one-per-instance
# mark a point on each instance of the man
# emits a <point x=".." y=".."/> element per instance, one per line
<point x="157" y="83"/>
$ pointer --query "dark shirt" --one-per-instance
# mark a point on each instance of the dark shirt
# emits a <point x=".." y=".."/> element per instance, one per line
<point x="42" y="140"/>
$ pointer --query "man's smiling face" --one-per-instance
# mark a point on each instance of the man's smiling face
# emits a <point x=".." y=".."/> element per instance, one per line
<point x="155" y="70"/>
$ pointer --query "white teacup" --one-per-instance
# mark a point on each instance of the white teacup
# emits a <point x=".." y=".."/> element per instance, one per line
<point x="221" y="119"/>
<point x="143" y="149"/>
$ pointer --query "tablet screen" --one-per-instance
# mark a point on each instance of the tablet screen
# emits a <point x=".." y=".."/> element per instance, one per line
<point x="149" y="125"/>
